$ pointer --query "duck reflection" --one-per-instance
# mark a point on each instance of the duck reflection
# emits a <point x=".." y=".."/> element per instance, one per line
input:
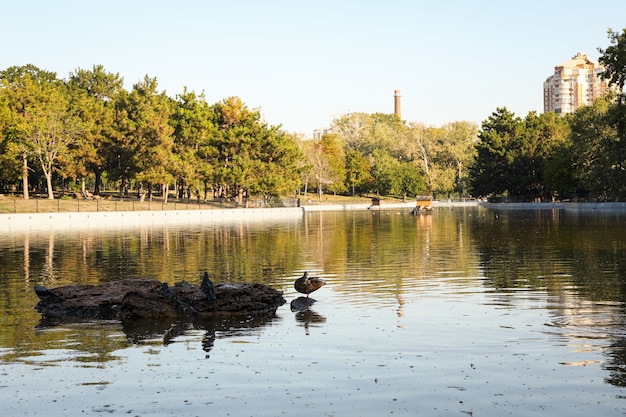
<point x="166" y="330"/>
<point x="305" y="316"/>
<point x="216" y="327"/>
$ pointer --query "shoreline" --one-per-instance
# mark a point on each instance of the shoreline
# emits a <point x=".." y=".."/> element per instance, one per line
<point x="54" y="221"/>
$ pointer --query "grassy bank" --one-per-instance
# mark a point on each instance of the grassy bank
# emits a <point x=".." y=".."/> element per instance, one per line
<point x="12" y="204"/>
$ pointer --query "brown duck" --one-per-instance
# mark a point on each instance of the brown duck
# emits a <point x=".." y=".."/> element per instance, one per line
<point x="307" y="285"/>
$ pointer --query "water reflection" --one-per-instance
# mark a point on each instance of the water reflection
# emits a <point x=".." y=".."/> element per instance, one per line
<point x="541" y="291"/>
<point x="304" y="313"/>
<point x="97" y="341"/>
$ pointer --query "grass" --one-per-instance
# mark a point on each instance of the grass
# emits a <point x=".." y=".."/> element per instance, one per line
<point x="40" y="204"/>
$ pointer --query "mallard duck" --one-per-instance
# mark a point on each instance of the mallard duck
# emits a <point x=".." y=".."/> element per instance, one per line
<point x="307" y="285"/>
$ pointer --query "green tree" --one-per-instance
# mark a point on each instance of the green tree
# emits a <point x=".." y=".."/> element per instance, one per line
<point x="614" y="59"/>
<point x="251" y="156"/>
<point x="460" y="140"/>
<point x="145" y="147"/>
<point x="598" y="152"/>
<point x="358" y="172"/>
<point x="333" y="148"/>
<point x="193" y="149"/>
<point x="408" y="179"/>
<point x="42" y="125"/>
<point x="490" y="173"/>
<point x="10" y="159"/>
<point x="93" y="95"/>
<point x="52" y="131"/>
<point x="24" y="90"/>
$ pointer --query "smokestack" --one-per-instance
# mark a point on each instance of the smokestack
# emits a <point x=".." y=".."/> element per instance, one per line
<point x="396" y="103"/>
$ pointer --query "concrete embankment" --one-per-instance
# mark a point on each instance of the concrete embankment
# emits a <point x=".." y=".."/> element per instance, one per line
<point x="127" y="219"/>
<point x="566" y="206"/>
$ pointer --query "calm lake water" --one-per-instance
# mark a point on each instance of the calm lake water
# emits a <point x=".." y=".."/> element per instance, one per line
<point x="460" y="312"/>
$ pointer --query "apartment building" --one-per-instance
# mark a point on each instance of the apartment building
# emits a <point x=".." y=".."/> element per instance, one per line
<point x="575" y="83"/>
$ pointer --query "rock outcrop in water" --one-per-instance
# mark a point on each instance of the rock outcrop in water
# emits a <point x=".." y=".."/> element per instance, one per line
<point x="149" y="298"/>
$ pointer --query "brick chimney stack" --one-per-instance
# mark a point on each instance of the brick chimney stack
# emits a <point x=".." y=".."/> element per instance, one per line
<point x="396" y="103"/>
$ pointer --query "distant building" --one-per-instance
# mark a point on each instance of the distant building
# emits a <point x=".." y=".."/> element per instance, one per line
<point x="318" y="133"/>
<point x="575" y="83"/>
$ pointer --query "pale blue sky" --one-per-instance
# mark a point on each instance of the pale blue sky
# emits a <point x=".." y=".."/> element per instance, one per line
<point x="304" y="63"/>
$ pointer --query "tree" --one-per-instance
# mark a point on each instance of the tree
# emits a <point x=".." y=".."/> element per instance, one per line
<point x="93" y="94"/>
<point x="460" y="150"/>
<point x="193" y="134"/>
<point x="490" y="173"/>
<point x="358" y="171"/>
<point x="320" y="166"/>
<point x="408" y="180"/>
<point x="23" y="89"/>
<point x="145" y="148"/>
<point x="332" y="146"/>
<point x="597" y="151"/>
<point x="423" y="148"/>
<point x="42" y="125"/>
<point x="614" y="59"/>
<point x="250" y="156"/>
<point x="10" y="160"/>
<point x="52" y="131"/>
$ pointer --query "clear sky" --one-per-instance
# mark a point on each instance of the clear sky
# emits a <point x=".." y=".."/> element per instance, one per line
<point x="304" y="63"/>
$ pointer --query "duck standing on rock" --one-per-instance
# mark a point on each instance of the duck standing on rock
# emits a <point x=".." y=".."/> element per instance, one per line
<point x="306" y="285"/>
<point x="208" y="288"/>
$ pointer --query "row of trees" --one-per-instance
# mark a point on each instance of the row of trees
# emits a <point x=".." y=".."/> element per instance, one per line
<point x="380" y="153"/>
<point x="89" y="127"/>
<point x="89" y="130"/>
<point x="60" y="134"/>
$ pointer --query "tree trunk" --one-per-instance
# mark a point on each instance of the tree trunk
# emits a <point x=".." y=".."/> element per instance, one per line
<point x="49" y="185"/>
<point x="240" y="196"/>
<point x="165" y="189"/>
<point x="25" y="176"/>
<point x="96" y="187"/>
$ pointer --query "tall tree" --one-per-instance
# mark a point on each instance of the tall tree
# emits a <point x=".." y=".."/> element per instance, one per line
<point x="93" y="94"/>
<point x="43" y="124"/>
<point x="145" y="148"/>
<point x="193" y="134"/>
<point x="52" y="132"/>
<point x="613" y="58"/>
<point x="10" y="156"/>
<point x="251" y="156"/>
<point x="358" y="172"/>
<point x="460" y="140"/>
<point x="598" y="154"/>
<point x="490" y="173"/>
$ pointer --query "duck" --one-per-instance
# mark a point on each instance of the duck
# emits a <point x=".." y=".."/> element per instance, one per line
<point x="208" y="288"/>
<point x="45" y="294"/>
<point x="307" y="285"/>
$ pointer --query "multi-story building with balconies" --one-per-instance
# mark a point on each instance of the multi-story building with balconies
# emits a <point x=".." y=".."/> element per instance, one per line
<point x="575" y="83"/>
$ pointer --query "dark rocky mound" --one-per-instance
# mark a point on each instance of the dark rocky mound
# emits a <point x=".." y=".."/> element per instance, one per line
<point x="149" y="298"/>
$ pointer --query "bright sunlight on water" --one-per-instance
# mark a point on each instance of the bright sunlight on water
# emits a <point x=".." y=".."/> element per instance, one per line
<point x="460" y="312"/>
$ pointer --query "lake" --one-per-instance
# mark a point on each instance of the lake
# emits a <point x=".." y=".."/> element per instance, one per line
<point x="464" y="311"/>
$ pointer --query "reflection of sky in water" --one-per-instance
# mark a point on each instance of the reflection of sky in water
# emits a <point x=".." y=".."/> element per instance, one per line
<point x="430" y="336"/>
<point x="453" y="349"/>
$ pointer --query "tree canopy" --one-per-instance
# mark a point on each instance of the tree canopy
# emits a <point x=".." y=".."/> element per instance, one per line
<point x="86" y="131"/>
